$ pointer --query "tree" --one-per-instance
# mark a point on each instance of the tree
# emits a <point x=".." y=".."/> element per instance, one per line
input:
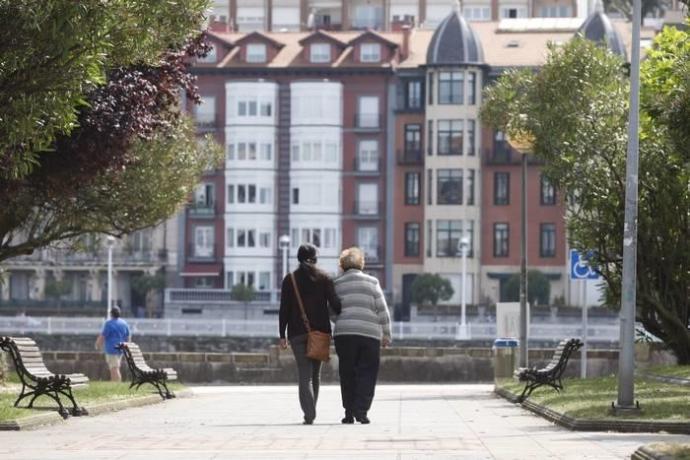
<point x="575" y="109"/>
<point x="429" y="289"/>
<point x="243" y="293"/>
<point x="53" y="52"/>
<point x="131" y="157"/>
<point x="538" y="288"/>
<point x="146" y="285"/>
<point x="57" y="289"/>
<point x="625" y="7"/>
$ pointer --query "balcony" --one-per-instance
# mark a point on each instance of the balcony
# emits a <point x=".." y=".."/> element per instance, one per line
<point x="368" y="121"/>
<point x="367" y="209"/>
<point x="205" y="125"/>
<point x="372" y="254"/>
<point x="203" y="253"/>
<point x="366" y="168"/>
<point x="203" y="210"/>
<point x="411" y="156"/>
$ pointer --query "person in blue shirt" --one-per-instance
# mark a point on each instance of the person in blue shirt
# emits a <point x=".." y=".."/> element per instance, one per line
<point x="114" y="331"/>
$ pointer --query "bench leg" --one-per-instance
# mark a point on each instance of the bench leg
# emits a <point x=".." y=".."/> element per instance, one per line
<point x="529" y="388"/>
<point x="76" y="410"/>
<point x="156" y="384"/>
<point x="168" y="393"/>
<point x="22" y="395"/>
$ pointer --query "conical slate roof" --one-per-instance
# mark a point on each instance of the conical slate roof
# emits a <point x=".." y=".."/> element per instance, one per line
<point x="597" y="27"/>
<point x="454" y="42"/>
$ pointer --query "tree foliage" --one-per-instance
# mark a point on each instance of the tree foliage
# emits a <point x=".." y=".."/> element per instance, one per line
<point x="538" y="288"/>
<point x="576" y="110"/>
<point x="122" y="156"/>
<point x="242" y="293"/>
<point x="429" y="289"/>
<point x="625" y="7"/>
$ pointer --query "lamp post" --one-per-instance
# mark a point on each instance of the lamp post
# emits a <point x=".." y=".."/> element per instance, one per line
<point x="110" y="242"/>
<point x="284" y="242"/>
<point x="463" y="246"/>
<point x="626" y="361"/>
<point x="522" y="141"/>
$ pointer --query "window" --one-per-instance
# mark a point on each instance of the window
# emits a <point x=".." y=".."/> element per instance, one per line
<point x="477" y="13"/>
<point x="471" y="147"/>
<point x="246" y="238"/>
<point x="501" y="240"/>
<point x="368" y="155"/>
<point x="206" y="111"/>
<point x="204" y="196"/>
<point x="469" y="233"/>
<point x="449" y="186"/>
<point x="211" y="57"/>
<point x="295" y="195"/>
<point x="256" y="52"/>
<point x="429" y="239"/>
<point x="412" y="239"/>
<point x="367" y="199"/>
<point x="513" y="12"/>
<point x="230" y="238"/>
<point x="430" y="138"/>
<point x="547" y="240"/>
<point x="448" y="233"/>
<point x="450" y="87"/>
<point x="547" y="192"/>
<point x="501" y="151"/>
<point x="231" y="194"/>
<point x="255" y="107"/>
<point x="472" y="88"/>
<point x="449" y="137"/>
<point x="319" y="53"/>
<point x="203" y="242"/>
<point x="429" y="184"/>
<point x="431" y="88"/>
<point x="368" y="241"/>
<point x="501" y="188"/>
<point x="470" y="187"/>
<point x="413" y="94"/>
<point x="264" y="281"/>
<point x="370" y="52"/>
<point x="412" y="188"/>
<point x="264" y="239"/>
<point x="413" y="138"/>
<point x="368" y="112"/>
<point x="265" y="195"/>
<point x="329" y="238"/>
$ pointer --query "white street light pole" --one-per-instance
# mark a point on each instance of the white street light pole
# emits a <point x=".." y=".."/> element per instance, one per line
<point x="110" y="241"/>
<point x="463" y="246"/>
<point x="626" y="358"/>
<point x="284" y="246"/>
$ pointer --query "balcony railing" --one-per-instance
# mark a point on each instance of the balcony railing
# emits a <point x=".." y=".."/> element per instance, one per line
<point x="411" y="156"/>
<point x="372" y="254"/>
<point x="367" y="208"/>
<point x="202" y="209"/>
<point x="368" y="121"/>
<point x="121" y="256"/>
<point x="203" y="253"/>
<point x="205" y="125"/>
<point x="365" y="167"/>
<point x="207" y="296"/>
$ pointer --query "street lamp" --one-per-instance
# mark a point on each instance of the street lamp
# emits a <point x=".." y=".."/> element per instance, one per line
<point x="463" y="247"/>
<point x="522" y="141"/>
<point x="284" y="243"/>
<point x="110" y="242"/>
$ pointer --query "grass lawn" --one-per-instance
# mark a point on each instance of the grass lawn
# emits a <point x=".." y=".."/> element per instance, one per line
<point x="670" y="371"/>
<point x="95" y="392"/>
<point x="591" y="398"/>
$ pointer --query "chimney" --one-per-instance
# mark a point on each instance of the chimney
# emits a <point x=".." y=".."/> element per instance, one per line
<point x="405" y="51"/>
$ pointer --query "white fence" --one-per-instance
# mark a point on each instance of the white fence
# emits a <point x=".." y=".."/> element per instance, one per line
<point x="605" y="332"/>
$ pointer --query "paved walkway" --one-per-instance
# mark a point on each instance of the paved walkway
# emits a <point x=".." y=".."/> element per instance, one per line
<point x="408" y="422"/>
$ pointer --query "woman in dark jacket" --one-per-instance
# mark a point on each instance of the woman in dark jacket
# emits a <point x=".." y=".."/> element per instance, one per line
<point x="318" y="294"/>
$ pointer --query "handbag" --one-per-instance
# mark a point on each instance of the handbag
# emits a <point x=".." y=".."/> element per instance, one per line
<point x="318" y="343"/>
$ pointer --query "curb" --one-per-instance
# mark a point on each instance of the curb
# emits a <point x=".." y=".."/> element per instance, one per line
<point x="53" y="418"/>
<point x="657" y="451"/>
<point x="582" y="424"/>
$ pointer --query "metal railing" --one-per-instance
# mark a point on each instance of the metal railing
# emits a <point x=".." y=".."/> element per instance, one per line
<point x="412" y="156"/>
<point x="368" y="120"/>
<point x="206" y="296"/>
<point x="446" y="331"/>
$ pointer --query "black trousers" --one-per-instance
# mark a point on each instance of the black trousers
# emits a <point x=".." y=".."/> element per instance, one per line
<point x="309" y="371"/>
<point x="358" y="364"/>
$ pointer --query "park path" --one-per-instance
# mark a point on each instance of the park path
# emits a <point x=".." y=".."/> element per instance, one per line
<point x="263" y="422"/>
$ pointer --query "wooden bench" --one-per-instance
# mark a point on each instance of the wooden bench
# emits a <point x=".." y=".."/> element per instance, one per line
<point x="142" y="373"/>
<point x="552" y="373"/>
<point x="37" y="380"/>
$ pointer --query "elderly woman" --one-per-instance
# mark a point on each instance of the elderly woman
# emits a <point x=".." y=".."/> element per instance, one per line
<point x="362" y="327"/>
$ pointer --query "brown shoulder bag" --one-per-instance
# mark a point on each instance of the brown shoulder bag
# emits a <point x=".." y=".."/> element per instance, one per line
<point x="318" y="343"/>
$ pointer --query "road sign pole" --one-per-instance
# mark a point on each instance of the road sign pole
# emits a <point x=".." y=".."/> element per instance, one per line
<point x="583" y="358"/>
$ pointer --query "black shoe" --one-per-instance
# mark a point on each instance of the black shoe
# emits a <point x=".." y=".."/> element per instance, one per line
<point x="363" y="419"/>
<point x="308" y="422"/>
<point x="348" y="420"/>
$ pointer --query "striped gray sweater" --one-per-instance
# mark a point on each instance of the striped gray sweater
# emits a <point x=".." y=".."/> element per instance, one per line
<point x="364" y="307"/>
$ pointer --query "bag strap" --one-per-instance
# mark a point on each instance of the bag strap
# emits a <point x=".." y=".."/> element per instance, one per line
<point x="299" y="302"/>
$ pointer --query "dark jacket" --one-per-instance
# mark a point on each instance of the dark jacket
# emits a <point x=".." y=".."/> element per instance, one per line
<point x="318" y="294"/>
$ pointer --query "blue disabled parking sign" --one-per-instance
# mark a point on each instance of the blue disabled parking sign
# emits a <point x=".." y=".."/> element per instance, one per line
<point x="580" y="268"/>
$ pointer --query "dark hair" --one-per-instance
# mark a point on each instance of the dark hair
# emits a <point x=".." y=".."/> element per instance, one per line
<point x="307" y="255"/>
<point x="115" y="312"/>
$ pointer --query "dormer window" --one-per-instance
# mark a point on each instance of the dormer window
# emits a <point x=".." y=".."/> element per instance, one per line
<point x="211" y="57"/>
<point x="320" y="52"/>
<point x="370" y="52"/>
<point x="256" y="52"/>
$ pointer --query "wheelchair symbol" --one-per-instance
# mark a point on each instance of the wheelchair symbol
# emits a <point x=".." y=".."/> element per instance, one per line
<point x="580" y="268"/>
